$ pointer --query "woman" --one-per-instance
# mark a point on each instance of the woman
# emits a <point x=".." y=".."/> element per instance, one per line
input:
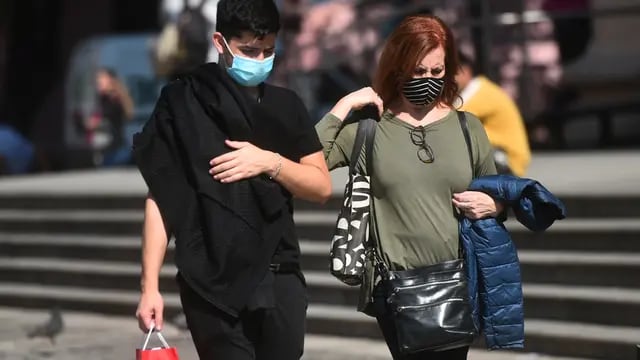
<point x="116" y="108"/>
<point x="420" y="159"/>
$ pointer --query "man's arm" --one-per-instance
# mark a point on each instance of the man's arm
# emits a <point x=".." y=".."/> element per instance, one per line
<point x="308" y="180"/>
<point x="154" y="246"/>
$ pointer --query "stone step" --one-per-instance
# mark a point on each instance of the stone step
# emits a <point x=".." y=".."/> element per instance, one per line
<point x="578" y="206"/>
<point x="621" y="234"/>
<point x="561" y="338"/>
<point x="616" y="306"/>
<point x="615" y="269"/>
<point x="52" y="201"/>
<point x="606" y="235"/>
<point x="112" y="222"/>
<point x="542" y="336"/>
<point x="581" y="340"/>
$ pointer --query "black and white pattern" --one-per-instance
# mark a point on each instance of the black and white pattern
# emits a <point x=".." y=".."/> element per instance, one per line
<point x="352" y="232"/>
<point x="423" y="91"/>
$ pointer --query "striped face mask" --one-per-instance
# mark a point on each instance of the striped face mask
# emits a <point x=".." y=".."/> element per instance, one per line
<point x="423" y="91"/>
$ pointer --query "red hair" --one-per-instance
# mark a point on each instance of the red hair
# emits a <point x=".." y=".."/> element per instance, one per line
<point x="410" y="42"/>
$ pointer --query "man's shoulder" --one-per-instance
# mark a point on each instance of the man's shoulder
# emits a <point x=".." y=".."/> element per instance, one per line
<point x="281" y="93"/>
<point x="172" y="88"/>
<point x="174" y="85"/>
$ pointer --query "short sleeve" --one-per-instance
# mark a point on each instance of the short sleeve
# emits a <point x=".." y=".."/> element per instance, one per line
<point x="306" y="140"/>
<point x="337" y="140"/>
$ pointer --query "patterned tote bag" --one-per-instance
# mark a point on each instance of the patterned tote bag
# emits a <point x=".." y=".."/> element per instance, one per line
<point x="352" y="228"/>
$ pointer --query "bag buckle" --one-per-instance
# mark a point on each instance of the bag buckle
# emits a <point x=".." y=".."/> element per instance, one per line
<point x="274" y="267"/>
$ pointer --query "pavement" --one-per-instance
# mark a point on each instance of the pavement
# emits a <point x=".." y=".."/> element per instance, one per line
<point x="97" y="337"/>
<point x="565" y="173"/>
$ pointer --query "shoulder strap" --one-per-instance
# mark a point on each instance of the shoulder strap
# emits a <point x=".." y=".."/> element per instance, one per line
<point x="467" y="138"/>
<point x="364" y="137"/>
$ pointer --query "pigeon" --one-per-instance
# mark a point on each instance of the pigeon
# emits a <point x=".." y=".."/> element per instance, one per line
<point x="50" y="329"/>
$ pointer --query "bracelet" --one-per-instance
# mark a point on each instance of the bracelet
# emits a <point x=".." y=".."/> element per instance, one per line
<point x="278" y="168"/>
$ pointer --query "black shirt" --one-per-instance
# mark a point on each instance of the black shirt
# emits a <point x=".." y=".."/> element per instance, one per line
<point x="226" y="234"/>
<point x="282" y="125"/>
<point x="113" y="115"/>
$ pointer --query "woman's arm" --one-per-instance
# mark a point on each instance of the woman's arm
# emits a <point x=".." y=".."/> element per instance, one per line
<point x="337" y="139"/>
<point x="475" y="204"/>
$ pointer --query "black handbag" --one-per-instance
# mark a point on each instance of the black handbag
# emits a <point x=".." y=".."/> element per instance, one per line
<point x="429" y="306"/>
<point x="351" y="234"/>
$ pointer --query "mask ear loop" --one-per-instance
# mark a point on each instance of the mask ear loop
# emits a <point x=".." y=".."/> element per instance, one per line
<point x="226" y="44"/>
<point x="223" y="57"/>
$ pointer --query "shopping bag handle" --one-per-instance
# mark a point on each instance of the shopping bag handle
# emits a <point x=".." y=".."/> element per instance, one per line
<point x="162" y="340"/>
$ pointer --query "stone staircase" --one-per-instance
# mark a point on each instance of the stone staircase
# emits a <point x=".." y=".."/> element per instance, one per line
<point x="582" y="277"/>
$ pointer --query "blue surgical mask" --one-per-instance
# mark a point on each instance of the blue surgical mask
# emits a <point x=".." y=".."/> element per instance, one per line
<point x="249" y="72"/>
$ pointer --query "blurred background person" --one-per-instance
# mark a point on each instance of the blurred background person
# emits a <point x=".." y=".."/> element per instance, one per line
<point x="106" y="127"/>
<point x="573" y="30"/>
<point x="499" y="115"/>
<point x="573" y="33"/>
<point x="16" y="152"/>
<point x="184" y="42"/>
<point x="334" y="50"/>
<point x="524" y="56"/>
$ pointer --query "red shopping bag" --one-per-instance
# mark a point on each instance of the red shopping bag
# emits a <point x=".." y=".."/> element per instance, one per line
<point x="165" y="352"/>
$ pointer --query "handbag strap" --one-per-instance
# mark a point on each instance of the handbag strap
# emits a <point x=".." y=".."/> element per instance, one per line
<point x="164" y="342"/>
<point x="467" y="138"/>
<point x="364" y="137"/>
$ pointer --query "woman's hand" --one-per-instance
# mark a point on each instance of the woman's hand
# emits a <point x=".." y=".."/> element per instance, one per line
<point x="357" y="100"/>
<point x="476" y="205"/>
<point x="245" y="162"/>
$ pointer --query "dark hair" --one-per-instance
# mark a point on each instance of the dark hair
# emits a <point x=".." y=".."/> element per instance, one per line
<point x="109" y="71"/>
<point x="466" y="60"/>
<point x="260" y="17"/>
<point x="410" y="42"/>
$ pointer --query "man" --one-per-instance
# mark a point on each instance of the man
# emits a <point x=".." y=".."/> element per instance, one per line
<point x="499" y="115"/>
<point x="223" y="154"/>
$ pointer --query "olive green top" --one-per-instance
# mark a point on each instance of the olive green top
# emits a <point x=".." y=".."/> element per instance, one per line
<point x="413" y="217"/>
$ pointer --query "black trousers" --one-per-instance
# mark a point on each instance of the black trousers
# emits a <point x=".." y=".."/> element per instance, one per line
<point x="389" y="333"/>
<point x="263" y="334"/>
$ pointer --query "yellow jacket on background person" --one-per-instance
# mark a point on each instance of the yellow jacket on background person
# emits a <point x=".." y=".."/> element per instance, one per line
<point x="498" y="113"/>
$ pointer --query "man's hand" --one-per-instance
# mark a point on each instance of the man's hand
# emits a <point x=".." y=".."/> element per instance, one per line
<point x="245" y="162"/>
<point x="150" y="310"/>
<point x="476" y="205"/>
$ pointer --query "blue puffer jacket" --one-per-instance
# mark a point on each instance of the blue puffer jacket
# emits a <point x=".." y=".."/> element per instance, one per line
<point x="492" y="262"/>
